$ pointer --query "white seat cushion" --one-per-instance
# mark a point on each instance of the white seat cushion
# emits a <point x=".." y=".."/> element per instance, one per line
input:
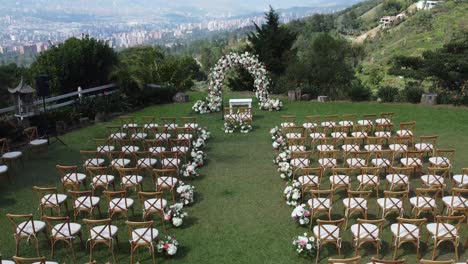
<point x="385" y="134"/>
<point x="105" y="148"/>
<point x="327" y="162"/>
<point x="319" y="203"/>
<point x="349" y="147"/>
<point x="132" y="179"/>
<point x="455" y="201"/>
<point x="300" y="162"/>
<point x="356" y="162"/>
<point x="397" y="178"/>
<point x="460" y="179"/>
<point x="327" y="232"/>
<point x="373" y="147"/>
<point x="96" y="162"/>
<point x="103" y="179"/>
<point x="297" y="148"/>
<point x="355" y="203"/>
<point x="117" y="135"/>
<point x="308" y="180"/>
<point x="86" y="202"/>
<point x="359" y="134"/>
<point x="120" y="162"/>
<point x="317" y="135"/>
<point x="367" y="231"/>
<point x="157" y="149"/>
<point x="287" y="124"/>
<point x="130" y="125"/>
<point x="390" y="203"/>
<point x="171" y="126"/>
<point x="74" y="177"/>
<point x="103" y="232"/>
<point x="345" y="123"/>
<point x="52" y="199"/>
<point x="170" y="162"/>
<point x="185" y="136"/>
<point x="432" y="180"/>
<point x="407" y="231"/>
<point x="150" y="125"/>
<point x="38" y="142"/>
<point x="423" y="146"/>
<point x="339" y="179"/>
<point x="365" y="122"/>
<point x="328" y="124"/>
<point x="12" y="155"/>
<point x="404" y="133"/>
<point x="118" y="204"/>
<point x="383" y="121"/>
<point x="143" y="235"/>
<point x="380" y="162"/>
<point x="7" y="261"/>
<point x="339" y="135"/>
<point x="309" y="125"/>
<point x="411" y="162"/>
<point x="182" y="149"/>
<point x="325" y="147"/>
<point x="3" y="168"/>
<point x="130" y="149"/>
<point x="154" y="205"/>
<point x="139" y="136"/>
<point x="439" y="161"/>
<point x="368" y="179"/>
<point x="293" y="135"/>
<point x="164" y="136"/>
<point x="65" y="231"/>
<point x="422" y="202"/>
<point x="147" y="162"/>
<point x="191" y="125"/>
<point x="444" y="230"/>
<point x="27" y="227"/>
<point x="165" y="181"/>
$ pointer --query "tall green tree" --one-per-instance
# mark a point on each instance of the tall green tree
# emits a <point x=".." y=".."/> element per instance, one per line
<point x="84" y="62"/>
<point x="272" y="43"/>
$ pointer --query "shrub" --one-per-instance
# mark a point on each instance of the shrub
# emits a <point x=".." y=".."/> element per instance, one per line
<point x="387" y="93"/>
<point x="307" y="88"/>
<point x="413" y="93"/>
<point x="359" y="92"/>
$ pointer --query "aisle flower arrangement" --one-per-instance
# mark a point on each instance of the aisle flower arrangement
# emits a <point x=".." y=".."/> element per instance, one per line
<point x="189" y="170"/>
<point x="283" y="156"/>
<point x="186" y="193"/>
<point x="212" y="103"/>
<point x="285" y="169"/>
<point x="292" y="193"/>
<point x="203" y="133"/>
<point x="175" y="214"/>
<point x="245" y="127"/>
<point x="167" y="245"/>
<point x="198" y="144"/>
<point x="305" y="245"/>
<point x="301" y="215"/>
<point x="279" y="143"/>
<point x="275" y="133"/>
<point x="229" y="127"/>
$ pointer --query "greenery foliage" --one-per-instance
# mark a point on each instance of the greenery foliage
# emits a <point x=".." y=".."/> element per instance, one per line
<point x="359" y="92"/>
<point x="387" y="94"/>
<point x="413" y="92"/>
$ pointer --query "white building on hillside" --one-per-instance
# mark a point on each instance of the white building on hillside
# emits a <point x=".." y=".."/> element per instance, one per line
<point x="426" y="5"/>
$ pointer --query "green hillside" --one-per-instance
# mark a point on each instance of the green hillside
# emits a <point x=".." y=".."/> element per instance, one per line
<point x="423" y="30"/>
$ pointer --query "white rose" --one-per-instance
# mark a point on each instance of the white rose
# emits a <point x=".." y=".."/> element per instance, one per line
<point x="176" y="221"/>
<point x="309" y="246"/>
<point x="172" y="250"/>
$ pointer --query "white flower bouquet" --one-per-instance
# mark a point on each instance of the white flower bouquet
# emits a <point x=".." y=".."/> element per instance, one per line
<point x="292" y="193"/>
<point x="245" y="127"/>
<point x="189" y="170"/>
<point x="167" y="245"/>
<point x="230" y="127"/>
<point x="285" y="170"/>
<point x="198" y="158"/>
<point x="204" y="134"/>
<point x="271" y="105"/>
<point x="199" y="143"/>
<point x="186" y="193"/>
<point x="305" y="245"/>
<point x="275" y="133"/>
<point x="301" y="215"/>
<point x="279" y="143"/>
<point x="175" y="214"/>
<point x="284" y="156"/>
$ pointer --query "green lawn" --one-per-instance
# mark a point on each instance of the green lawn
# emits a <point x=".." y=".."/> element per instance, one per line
<point x="239" y="215"/>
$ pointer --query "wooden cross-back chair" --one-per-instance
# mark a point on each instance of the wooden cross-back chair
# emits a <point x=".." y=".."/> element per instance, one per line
<point x="435" y="177"/>
<point x="189" y="122"/>
<point x="399" y="145"/>
<point x="300" y="159"/>
<point x="367" y="231"/>
<point x="317" y="133"/>
<point x="407" y="129"/>
<point x="320" y="201"/>
<point x="229" y="115"/>
<point x="153" y="203"/>
<point x="104" y="145"/>
<point x="127" y="121"/>
<point x="383" y="130"/>
<point x="118" y="203"/>
<point x="70" y="177"/>
<point x="155" y="146"/>
<point x="170" y="160"/>
<point x="427" y="144"/>
<point x="311" y="122"/>
<point x="181" y="146"/>
<point x="340" y="178"/>
<point x="50" y="199"/>
<point x="446" y="229"/>
<point x="369" y="179"/>
<point x="326" y="144"/>
<point x="398" y="178"/>
<point x="100" y="177"/>
<point x="357" y="159"/>
<point x="163" y="133"/>
<point x="245" y="115"/>
<point x="137" y="133"/>
<point x="7" y="155"/>
<point x="61" y="229"/>
<point x="385" y="118"/>
<point x="407" y="231"/>
<point x="128" y="146"/>
<point x="329" y="120"/>
<point x="116" y="132"/>
<point x="142" y="234"/>
<point x="361" y="130"/>
<point x="25" y="227"/>
<point x="367" y="119"/>
<point x="355" y="260"/>
<point x="328" y="159"/>
<point x="169" y="122"/>
<point x="348" y="120"/>
<point x="351" y="144"/>
<point x="288" y="121"/>
<point x="374" y="144"/>
<point x="101" y="232"/>
<point x="457" y="202"/>
<point x="328" y="232"/>
<point x="84" y="201"/>
<point x="145" y="161"/>
<point x="166" y="179"/>
<point x="460" y="180"/>
<point x="34" y="141"/>
<point x="130" y="178"/>
<point x="442" y="158"/>
<point x="357" y="202"/>
<point x="120" y="159"/>
<point x="149" y="122"/>
<point x="413" y="159"/>
<point x="185" y="133"/>
<point x="294" y="132"/>
<point x="310" y="178"/>
<point x="383" y="159"/>
<point x="392" y="202"/>
<point x="92" y="158"/>
<point x="340" y="132"/>
<point x="425" y="201"/>
<point x="297" y="144"/>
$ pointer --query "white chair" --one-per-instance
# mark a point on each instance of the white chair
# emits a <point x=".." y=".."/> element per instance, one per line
<point x="50" y="199"/>
<point x="426" y="144"/>
<point x="25" y="227"/>
<point x="60" y="229"/>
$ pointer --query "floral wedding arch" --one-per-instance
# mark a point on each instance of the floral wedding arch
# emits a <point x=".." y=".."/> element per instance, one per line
<point x="212" y="103"/>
